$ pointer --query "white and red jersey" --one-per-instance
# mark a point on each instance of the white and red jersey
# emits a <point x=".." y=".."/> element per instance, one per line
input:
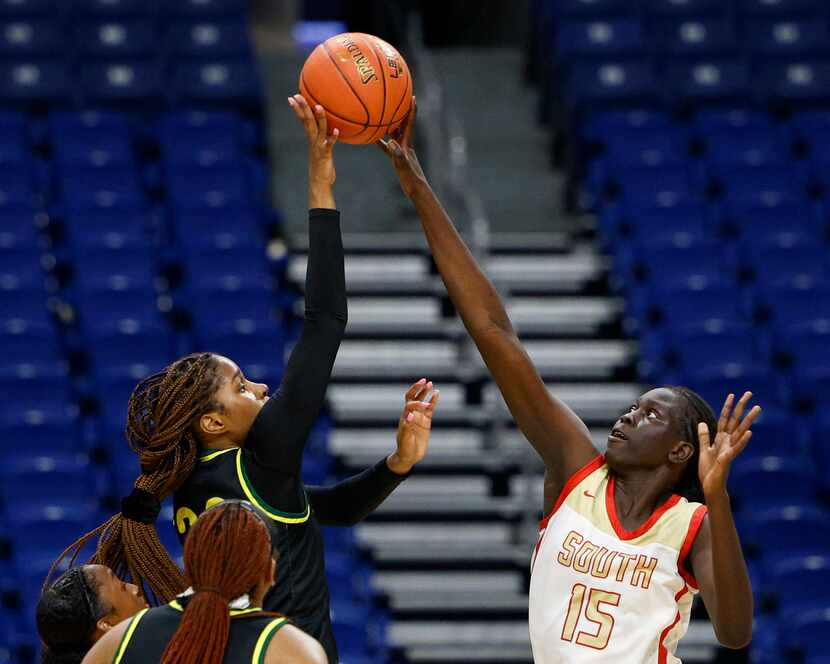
<point x="600" y="593"/>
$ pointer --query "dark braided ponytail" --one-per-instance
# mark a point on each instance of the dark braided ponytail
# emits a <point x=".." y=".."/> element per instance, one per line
<point x="696" y="410"/>
<point x="226" y="554"/>
<point x="161" y="428"/>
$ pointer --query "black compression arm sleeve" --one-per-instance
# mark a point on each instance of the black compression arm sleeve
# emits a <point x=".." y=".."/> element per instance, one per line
<point x="279" y="433"/>
<point x="353" y="499"/>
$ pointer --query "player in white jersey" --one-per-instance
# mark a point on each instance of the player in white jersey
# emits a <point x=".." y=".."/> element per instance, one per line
<point x="627" y="539"/>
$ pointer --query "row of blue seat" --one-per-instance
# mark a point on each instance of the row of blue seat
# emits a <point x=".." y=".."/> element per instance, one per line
<point x="606" y="9"/>
<point x="111" y="8"/>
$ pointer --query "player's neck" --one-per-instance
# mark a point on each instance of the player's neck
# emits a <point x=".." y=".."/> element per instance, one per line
<point x="638" y="493"/>
<point x="219" y="444"/>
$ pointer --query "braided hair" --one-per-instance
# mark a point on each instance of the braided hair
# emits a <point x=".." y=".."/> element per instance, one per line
<point x="67" y="614"/>
<point x="161" y="429"/>
<point x="696" y="410"/>
<point x="226" y="554"/>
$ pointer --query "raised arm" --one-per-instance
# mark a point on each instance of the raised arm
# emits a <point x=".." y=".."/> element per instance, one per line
<point x="279" y="433"/>
<point x="554" y="430"/>
<point x="716" y="556"/>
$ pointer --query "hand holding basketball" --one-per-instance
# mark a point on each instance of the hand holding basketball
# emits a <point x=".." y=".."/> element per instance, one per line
<point x="399" y="148"/>
<point x="320" y="144"/>
<point x="732" y="437"/>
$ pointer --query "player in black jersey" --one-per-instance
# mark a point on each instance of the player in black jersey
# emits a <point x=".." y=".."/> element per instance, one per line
<point x="204" y="432"/>
<point x="219" y="620"/>
<point x="82" y="605"/>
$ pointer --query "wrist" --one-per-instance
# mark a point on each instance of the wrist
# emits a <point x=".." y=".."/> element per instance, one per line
<point x="398" y="465"/>
<point x="320" y="195"/>
<point x="719" y="496"/>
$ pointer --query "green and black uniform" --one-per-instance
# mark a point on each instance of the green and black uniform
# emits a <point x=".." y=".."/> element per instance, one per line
<point x="266" y="469"/>
<point x="150" y="631"/>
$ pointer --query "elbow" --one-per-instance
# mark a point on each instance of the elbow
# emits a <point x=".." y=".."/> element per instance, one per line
<point x="735" y="639"/>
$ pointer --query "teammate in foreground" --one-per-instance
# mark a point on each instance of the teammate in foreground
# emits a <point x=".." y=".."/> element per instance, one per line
<point x="80" y="607"/>
<point x="626" y="541"/>
<point x="218" y="620"/>
<point x="203" y="432"/>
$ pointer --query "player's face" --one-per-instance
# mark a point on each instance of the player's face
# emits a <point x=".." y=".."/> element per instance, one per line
<point x="241" y="399"/>
<point x="643" y="436"/>
<point x="122" y="599"/>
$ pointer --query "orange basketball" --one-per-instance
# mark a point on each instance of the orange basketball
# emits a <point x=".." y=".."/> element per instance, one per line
<point x="362" y="82"/>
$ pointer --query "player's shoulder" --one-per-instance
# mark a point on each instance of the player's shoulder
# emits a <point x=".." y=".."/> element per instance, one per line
<point x="290" y="644"/>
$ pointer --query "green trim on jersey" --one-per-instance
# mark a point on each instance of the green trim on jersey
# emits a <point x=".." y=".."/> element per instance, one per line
<point x="275" y="514"/>
<point x="125" y="639"/>
<point x="213" y="455"/>
<point x="265" y="638"/>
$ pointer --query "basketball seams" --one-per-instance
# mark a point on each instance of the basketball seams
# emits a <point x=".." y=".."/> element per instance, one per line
<point x="349" y="83"/>
<point x="382" y="70"/>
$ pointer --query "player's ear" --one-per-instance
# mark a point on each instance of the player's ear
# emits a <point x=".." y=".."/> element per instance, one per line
<point x="104" y="625"/>
<point x="212" y="423"/>
<point x="681" y="452"/>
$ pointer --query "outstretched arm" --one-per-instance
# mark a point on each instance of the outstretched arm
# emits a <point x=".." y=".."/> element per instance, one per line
<point x="353" y="499"/>
<point x="717" y="559"/>
<point x="279" y="433"/>
<point x="554" y="430"/>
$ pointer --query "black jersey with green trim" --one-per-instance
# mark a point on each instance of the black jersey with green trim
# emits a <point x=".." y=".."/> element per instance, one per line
<point x="150" y="630"/>
<point x="301" y="591"/>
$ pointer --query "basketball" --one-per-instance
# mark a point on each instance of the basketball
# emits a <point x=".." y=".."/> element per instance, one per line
<point x="362" y="82"/>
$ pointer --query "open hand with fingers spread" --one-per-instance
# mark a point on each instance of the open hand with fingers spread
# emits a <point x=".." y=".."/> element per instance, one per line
<point x="733" y="434"/>
<point x="414" y="427"/>
<point x="399" y="148"/>
<point x="321" y="173"/>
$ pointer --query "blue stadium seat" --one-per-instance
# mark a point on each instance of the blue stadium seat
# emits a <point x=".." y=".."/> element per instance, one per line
<point x="226" y="81"/>
<point x="657" y="224"/>
<point x="807" y="122"/>
<point x="642" y="187"/>
<point x="802" y="81"/>
<point x="721" y="346"/>
<point x="699" y="37"/>
<point x="768" y="221"/>
<point x="102" y="188"/>
<point x="28" y="342"/>
<point x="715" y="384"/>
<point x="672" y="265"/>
<point x="20" y="267"/>
<point x="22" y="307"/>
<point x="687" y="8"/>
<point x="115" y="385"/>
<point x="788" y="38"/>
<point x="93" y="124"/>
<point x="17" y="227"/>
<point x="611" y="82"/>
<point x="707" y="81"/>
<point x="679" y="306"/>
<point x="599" y="39"/>
<point x="746" y="148"/>
<point x="220" y="263"/>
<point x="191" y="151"/>
<point x="41" y="431"/>
<point x="739" y="118"/>
<point x="797" y="580"/>
<point x="99" y="228"/>
<point x="781" y="266"/>
<point x="26" y="39"/>
<point x="789" y="305"/>
<point x="121" y="82"/>
<point x="116" y="8"/>
<point x="130" y="350"/>
<point x="28" y="81"/>
<point x="257" y="306"/>
<point x="761" y="186"/>
<point x="27" y="8"/>
<point x="257" y="349"/>
<point x="117" y="39"/>
<point x="204" y="8"/>
<point x="209" y="39"/>
<point x="793" y="529"/>
<point x="805" y="629"/>
<point x="43" y="480"/>
<point x="782" y="8"/>
<point x="647" y="149"/>
<point x="26" y="385"/>
<point x="607" y="126"/>
<point x="807" y="345"/>
<point x="204" y="123"/>
<point x="770" y="481"/>
<point x="214" y="227"/>
<point x="120" y="309"/>
<point x="117" y="269"/>
<point x="15" y="188"/>
<point x="214" y="188"/>
<point x="50" y="528"/>
<point x="93" y="152"/>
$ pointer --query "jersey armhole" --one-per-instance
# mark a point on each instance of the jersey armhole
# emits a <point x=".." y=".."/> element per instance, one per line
<point x="128" y="634"/>
<point x="264" y="639"/>
<point x="572" y="482"/>
<point x="252" y="495"/>
<point x="694" y="527"/>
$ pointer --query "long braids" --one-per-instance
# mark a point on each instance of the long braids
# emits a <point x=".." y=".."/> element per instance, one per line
<point x="66" y="615"/>
<point x="226" y="554"/>
<point x="696" y="411"/>
<point x="161" y="428"/>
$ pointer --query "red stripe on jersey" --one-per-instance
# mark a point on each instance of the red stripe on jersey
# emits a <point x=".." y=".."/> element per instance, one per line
<point x="662" y="652"/>
<point x="694" y="526"/>
<point x="622" y="533"/>
<point x="573" y="480"/>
